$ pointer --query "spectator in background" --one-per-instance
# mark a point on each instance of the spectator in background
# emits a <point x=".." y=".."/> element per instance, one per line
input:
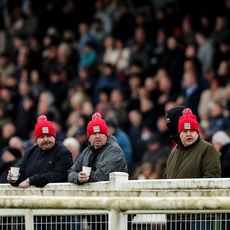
<point x="8" y="131"/>
<point x="118" y="107"/>
<point x="4" y="116"/>
<point x="205" y="51"/>
<point x="85" y="36"/>
<point x="57" y="88"/>
<point x="217" y="120"/>
<point x="125" y="24"/>
<point x="6" y="67"/>
<point x="155" y="150"/>
<point x="120" y="56"/>
<point x="16" y="142"/>
<point x="98" y="32"/>
<point x="81" y="137"/>
<point x="191" y="55"/>
<point x="172" y="61"/>
<point x="102" y="15"/>
<point x="223" y="72"/>
<point x="163" y="132"/>
<point x="73" y="145"/>
<point x="149" y="116"/>
<point x="109" y="46"/>
<point x="221" y="142"/>
<point x="27" y="144"/>
<point x="89" y="56"/>
<point x="227" y="93"/>
<point x="104" y="102"/>
<point x="60" y="133"/>
<point x="108" y="79"/>
<point x="36" y="84"/>
<point x="215" y="93"/>
<point x="46" y="162"/>
<point x="191" y="91"/>
<point x="165" y="90"/>
<point x="9" y="100"/>
<point x="159" y="170"/>
<point x="45" y="106"/>
<point x="220" y="31"/>
<point x="143" y="172"/>
<point x="26" y="112"/>
<point x="222" y="52"/>
<point x="122" y="139"/>
<point x="10" y="157"/>
<point x="187" y="33"/>
<point x="134" y="133"/>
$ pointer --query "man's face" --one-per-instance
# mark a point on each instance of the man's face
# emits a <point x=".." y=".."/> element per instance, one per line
<point x="97" y="140"/>
<point x="188" y="137"/>
<point x="46" y="141"/>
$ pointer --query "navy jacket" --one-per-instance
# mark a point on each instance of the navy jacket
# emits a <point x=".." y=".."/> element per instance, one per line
<point x="43" y="167"/>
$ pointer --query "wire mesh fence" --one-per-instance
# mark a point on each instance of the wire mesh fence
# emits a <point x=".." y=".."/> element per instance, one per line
<point x="180" y="221"/>
<point x="135" y="221"/>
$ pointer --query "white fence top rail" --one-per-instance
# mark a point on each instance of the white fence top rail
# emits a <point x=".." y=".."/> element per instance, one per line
<point x="119" y="185"/>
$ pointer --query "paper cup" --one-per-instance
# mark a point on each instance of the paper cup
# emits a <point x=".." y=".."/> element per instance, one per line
<point x="86" y="170"/>
<point x="15" y="172"/>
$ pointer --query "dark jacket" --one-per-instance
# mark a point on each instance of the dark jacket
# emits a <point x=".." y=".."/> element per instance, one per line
<point x="5" y="167"/>
<point x="110" y="158"/>
<point x="200" y="160"/>
<point x="225" y="160"/>
<point x="43" y="167"/>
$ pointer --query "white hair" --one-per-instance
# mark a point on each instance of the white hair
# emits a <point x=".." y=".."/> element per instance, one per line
<point x="71" y="141"/>
<point x="221" y="137"/>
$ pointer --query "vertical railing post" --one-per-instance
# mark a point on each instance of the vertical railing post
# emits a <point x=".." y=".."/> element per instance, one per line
<point x="29" y="220"/>
<point x="117" y="220"/>
<point x="118" y="179"/>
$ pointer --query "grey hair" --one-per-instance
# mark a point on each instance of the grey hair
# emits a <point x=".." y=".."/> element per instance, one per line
<point x="221" y="137"/>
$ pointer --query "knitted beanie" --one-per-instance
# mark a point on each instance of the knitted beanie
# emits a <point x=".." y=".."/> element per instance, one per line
<point x="188" y="121"/>
<point x="44" y="127"/>
<point x="97" y="125"/>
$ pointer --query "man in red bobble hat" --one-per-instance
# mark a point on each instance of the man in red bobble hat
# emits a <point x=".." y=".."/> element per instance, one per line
<point x="103" y="155"/>
<point x="192" y="157"/>
<point x="46" y="162"/>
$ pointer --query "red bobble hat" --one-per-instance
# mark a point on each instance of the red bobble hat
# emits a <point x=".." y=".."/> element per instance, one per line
<point x="97" y="125"/>
<point x="44" y="127"/>
<point x="188" y="121"/>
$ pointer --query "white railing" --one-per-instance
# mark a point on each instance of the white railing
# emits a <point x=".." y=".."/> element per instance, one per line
<point x="148" y="200"/>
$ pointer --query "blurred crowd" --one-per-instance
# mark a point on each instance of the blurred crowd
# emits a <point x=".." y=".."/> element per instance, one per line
<point x="129" y="60"/>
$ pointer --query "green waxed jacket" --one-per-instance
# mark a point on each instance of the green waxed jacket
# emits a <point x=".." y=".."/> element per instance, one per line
<point x="200" y="160"/>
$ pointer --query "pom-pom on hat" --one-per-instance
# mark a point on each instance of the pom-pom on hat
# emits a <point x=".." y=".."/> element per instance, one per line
<point x="44" y="127"/>
<point x="97" y="125"/>
<point x="188" y="121"/>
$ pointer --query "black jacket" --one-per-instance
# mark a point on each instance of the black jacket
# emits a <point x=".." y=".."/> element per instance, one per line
<point x="225" y="160"/>
<point x="43" y="167"/>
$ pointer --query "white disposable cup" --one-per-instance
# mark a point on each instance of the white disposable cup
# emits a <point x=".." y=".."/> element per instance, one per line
<point x="15" y="172"/>
<point x="86" y="170"/>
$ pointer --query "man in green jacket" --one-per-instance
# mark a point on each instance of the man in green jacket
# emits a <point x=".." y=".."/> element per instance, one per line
<point x="192" y="157"/>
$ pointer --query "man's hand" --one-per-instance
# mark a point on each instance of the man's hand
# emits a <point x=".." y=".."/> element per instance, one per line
<point x="82" y="177"/>
<point x="24" y="184"/>
<point x="9" y="177"/>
